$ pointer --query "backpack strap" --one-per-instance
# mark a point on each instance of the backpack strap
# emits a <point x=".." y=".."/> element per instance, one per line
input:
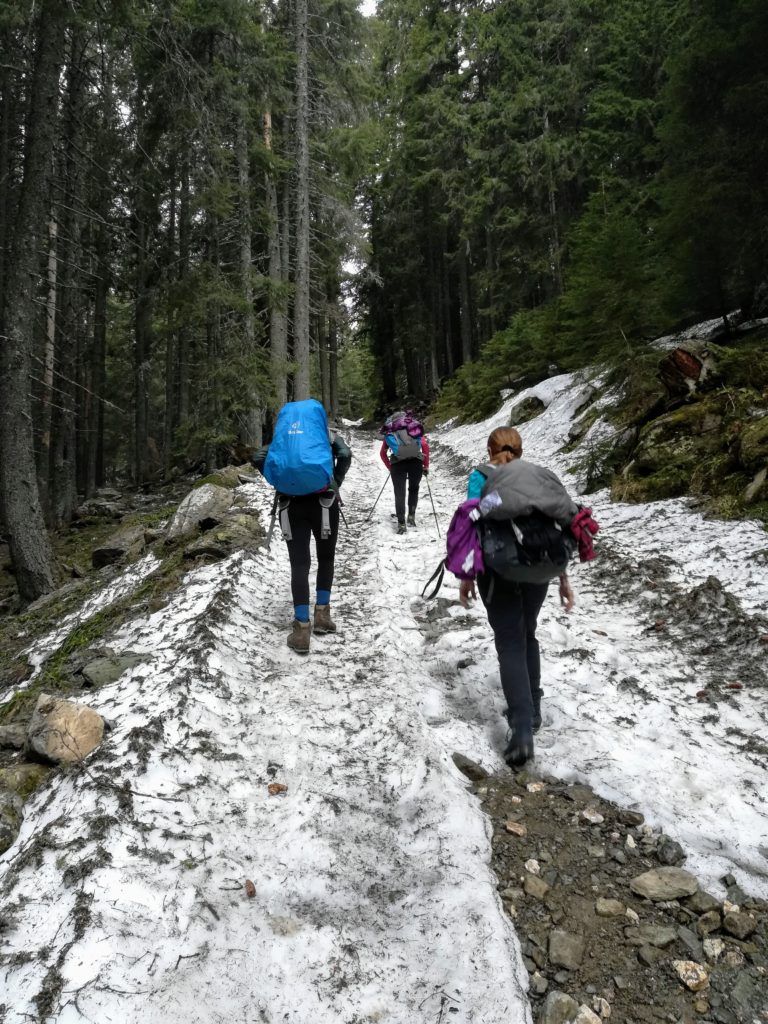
<point x="438" y="575"/>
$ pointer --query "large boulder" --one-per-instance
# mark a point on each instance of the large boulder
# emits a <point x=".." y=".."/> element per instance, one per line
<point x="237" y="532"/>
<point x="202" y="509"/>
<point x="63" y="731"/>
<point x="229" y="476"/>
<point x="126" y="543"/>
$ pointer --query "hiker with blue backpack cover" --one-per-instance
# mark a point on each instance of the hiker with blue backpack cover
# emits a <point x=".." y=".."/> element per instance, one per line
<point x="517" y="531"/>
<point x="405" y="453"/>
<point x="306" y="465"/>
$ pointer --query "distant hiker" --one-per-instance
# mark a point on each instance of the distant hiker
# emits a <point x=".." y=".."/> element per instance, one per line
<point x="306" y="465"/>
<point x="405" y="453"/>
<point x="518" y="560"/>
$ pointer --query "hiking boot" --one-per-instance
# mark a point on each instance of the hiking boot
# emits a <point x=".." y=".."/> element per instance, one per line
<point x="401" y="528"/>
<point x="411" y="518"/>
<point x="519" y="748"/>
<point x="298" y="638"/>
<point x="323" y="621"/>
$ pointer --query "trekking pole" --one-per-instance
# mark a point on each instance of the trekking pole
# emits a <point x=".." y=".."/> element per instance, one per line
<point x="434" y="513"/>
<point x="272" y="522"/>
<point x="341" y="513"/>
<point x="377" y="500"/>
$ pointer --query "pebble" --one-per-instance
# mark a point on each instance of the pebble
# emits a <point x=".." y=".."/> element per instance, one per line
<point x="735" y="958"/>
<point x="516" y="828"/>
<point x="630" y="843"/>
<point x="533" y="867"/>
<point x="650" y="935"/>
<point x="713" y="949"/>
<point x="535" y="787"/>
<point x="602" y="1007"/>
<point x="701" y="902"/>
<point x="632" y="915"/>
<point x="648" y="955"/>
<point x="539" y="983"/>
<point x="535" y="886"/>
<point x="609" y="908"/>
<point x="592" y="815"/>
<point x="692" y="975"/>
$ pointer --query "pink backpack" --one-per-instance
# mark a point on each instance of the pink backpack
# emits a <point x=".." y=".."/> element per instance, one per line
<point x="464" y="553"/>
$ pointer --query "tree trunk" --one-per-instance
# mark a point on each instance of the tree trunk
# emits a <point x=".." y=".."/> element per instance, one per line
<point x="46" y="393"/>
<point x="466" y="302"/>
<point x="70" y="325"/>
<point x="169" y="424"/>
<point x="253" y="414"/>
<point x="278" y="321"/>
<point x="333" y="360"/>
<point x="95" y="457"/>
<point x="29" y="544"/>
<point x="285" y="263"/>
<point x="302" y="292"/>
<point x="182" y="404"/>
<point x="323" y="346"/>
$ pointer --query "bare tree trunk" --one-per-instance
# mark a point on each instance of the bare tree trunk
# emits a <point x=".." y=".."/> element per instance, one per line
<point x="302" y="293"/>
<point x="285" y="264"/>
<point x="46" y="393"/>
<point x="184" y="234"/>
<point x="333" y="360"/>
<point x="95" y="457"/>
<point x="253" y="411"/>
<point x="169" y="425"/>
<point x="323" y="330"/>
<point x="278" y="320"/>
<point x="28" y="540"/>
<point x="466" y="303"/>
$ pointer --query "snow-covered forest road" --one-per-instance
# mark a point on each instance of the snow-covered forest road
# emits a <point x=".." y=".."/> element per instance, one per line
<point x="124" y="899"/>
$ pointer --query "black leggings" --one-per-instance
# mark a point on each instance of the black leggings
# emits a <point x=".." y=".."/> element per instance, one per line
<point x="410" y="470"/>
<point x="513" y="611"/>
<point x="305" y="517"/>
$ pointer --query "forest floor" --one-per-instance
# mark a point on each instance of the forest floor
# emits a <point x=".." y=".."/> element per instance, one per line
<point x="387" y="886"/>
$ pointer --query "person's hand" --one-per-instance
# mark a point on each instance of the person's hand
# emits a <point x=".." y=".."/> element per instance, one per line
<point x="567" y="600"/>
<point x="426" y="470"/>
<point x="467" y="591"/>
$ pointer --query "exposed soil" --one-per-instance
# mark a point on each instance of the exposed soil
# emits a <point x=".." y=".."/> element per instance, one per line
<point x="550" y="879"/>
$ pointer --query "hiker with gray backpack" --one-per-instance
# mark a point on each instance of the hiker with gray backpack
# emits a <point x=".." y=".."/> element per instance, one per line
<point x="306" y="464"/>
<point x="515" y="533"/>
<point x="405" y="453"/>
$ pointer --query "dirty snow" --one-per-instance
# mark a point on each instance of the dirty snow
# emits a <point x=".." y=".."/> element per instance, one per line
<point x="373" y="895"/>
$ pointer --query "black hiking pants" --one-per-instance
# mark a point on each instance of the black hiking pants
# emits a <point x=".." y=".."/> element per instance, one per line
<point x="513" y="612"/>
<point x="410" y="471"/>
<point x="305" y="516"/>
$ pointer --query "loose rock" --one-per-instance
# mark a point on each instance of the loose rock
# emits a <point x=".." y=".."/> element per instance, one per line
<point x="558" y="1008"/>
<point x="666" y="883"/>
<point x="516" y="828"/>
<point x="126" y="543"/>
<point x="609" y="908"/>
<point x="566" y="949"/>
<point x="713" y="949"/>
<point x="586" y="1016"/>
<point x="692" y="975"/>
<point x="739" y="924"/>
<point x="473" y="771"/>
<point x="535" y="886"/>
<point x="102" y="671"/>
<point x="12" y="737"/>
<point x="708" y="922"/>
<point x="650" y="935"/>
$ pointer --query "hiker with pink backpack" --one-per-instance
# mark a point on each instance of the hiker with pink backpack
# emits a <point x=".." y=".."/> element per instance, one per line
<point x="405" y="453"/>
<point x="515" y="533"/>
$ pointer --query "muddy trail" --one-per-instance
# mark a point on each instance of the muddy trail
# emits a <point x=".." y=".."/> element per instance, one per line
<point x="268" y="838"/>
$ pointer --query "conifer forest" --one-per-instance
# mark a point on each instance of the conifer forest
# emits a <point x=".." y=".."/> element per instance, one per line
<point x="209" y="206"/>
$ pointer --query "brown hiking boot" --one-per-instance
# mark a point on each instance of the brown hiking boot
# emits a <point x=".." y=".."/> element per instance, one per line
<point x="323" y="621"/>
<point x="298" y="638"/>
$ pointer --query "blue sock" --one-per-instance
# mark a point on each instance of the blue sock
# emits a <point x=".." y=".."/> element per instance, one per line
<point x="301" y="611"/>
<point x="323" y="597"/>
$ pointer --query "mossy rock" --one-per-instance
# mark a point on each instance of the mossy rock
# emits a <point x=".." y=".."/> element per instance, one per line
<point x="22" y="779"/>
<point x="753" y="446"/>
<point x="526" y="410"/>
<point x="229" y="476"/>
<point x="671" y="450"/>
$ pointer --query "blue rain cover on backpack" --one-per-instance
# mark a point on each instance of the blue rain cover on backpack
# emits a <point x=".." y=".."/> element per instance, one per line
<point x="299" y="460"/>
